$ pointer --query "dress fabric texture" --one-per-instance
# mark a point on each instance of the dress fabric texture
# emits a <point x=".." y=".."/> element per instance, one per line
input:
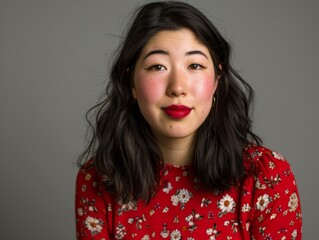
<point x="265" y="206"/>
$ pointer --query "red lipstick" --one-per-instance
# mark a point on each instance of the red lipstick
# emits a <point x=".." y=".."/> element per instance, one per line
<point x="177" y="111"/>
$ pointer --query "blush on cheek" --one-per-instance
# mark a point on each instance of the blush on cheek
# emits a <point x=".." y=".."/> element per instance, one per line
<point x="207" y="87"/>
<point x="149" y="89"/>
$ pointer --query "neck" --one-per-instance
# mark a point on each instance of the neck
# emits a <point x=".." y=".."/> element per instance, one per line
<point x="178" y="152"/>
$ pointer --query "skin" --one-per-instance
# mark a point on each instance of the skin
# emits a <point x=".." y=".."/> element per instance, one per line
<point x="175" y="68"/>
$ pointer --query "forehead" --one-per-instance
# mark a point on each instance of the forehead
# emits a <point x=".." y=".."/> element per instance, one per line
<point x="175" y="40"/>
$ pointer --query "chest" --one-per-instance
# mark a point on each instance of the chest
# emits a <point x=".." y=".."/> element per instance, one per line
<point x="181" y="210"/>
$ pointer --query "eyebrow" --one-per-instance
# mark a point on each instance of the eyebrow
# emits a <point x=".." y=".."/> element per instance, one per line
<point x="162" y="52"/>
<point x="196" y="52"/>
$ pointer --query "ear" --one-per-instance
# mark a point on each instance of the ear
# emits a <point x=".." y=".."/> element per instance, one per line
<point x="134" y="93"/>
<point x="216" y="83"/>
<point x="133" y="90"/>
<point x="220" y="70"/>
<point x="218" y="76"/>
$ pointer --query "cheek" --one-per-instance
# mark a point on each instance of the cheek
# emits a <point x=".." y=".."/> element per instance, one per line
<point x="206" y="89"/>
<point x="147" y="89"/>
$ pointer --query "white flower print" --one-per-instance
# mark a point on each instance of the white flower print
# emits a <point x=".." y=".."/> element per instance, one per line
<point x="88" y="177"/>
<point x="165" y="210"/>
<point x="80" y="211"/>
<point x="168" y="187"/>
<point x="94" y="225"/>
<point x="258" y="185"/>
<point x="184" y="195"/>
<point x="192" y="219"/>
<point x="152" y="212"/>
<point x="271" y="165"/>
<point x="174" y="200"/>
<point x="247" y="225"/>
<point x="164" y="233"/>
<point x="245" y="208"/>
<point x="262" y="202"/>
<point x="209" y="231"/>
<point x="205" y="202"/>
<point x="176" y="219"/>
<point x="126" y="207"/>
<point x="83" y="188"/>
<point x="234" y="225"/>
<point x="138" y="221"/>
<point x="256" y="154"/>
<point x="176" y="235"/>
<point x="146" y="237"/>
<point x="120" y="231"/>
<point x="293" y="202"/>
<point x="226" y="204"/>
<point x="273" y="180"/>
<point x="189" y="219"/>
<point x="109" y="207"/>
<point x="130" y="220"/>
<point x="278" y="156"/>
<point x="212" y="232"/>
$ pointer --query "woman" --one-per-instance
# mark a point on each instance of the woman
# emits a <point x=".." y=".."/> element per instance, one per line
<point x="173" y="154"/>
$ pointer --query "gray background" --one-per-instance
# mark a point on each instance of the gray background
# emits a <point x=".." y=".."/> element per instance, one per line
<point x="53" y="64"/>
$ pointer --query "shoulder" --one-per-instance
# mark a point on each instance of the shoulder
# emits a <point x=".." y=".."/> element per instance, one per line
<point x="88" y="181"/>
<point x="273" y="180"/>
<point x="87" y="172"/>
<point x="274" y="194"/>
<point x="270" y="173"/>
<point x="91" y="204"/>
<point x="263" y="161"/>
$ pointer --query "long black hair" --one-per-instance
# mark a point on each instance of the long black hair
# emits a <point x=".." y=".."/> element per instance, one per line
<point x="122" y="146"/>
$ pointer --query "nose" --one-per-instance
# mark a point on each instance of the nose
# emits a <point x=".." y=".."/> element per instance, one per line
<point x="178" y="82"/>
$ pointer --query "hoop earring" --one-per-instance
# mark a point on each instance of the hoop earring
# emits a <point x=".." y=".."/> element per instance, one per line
<point x="214" y="101"/>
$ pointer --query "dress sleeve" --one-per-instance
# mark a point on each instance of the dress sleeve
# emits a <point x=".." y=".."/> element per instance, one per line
<point x="91" y="220"/>
<point x="277" y="211"/>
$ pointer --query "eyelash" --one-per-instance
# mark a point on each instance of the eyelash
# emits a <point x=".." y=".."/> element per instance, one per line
<point x="196" y="66"/>
<point x="158" y="67"/>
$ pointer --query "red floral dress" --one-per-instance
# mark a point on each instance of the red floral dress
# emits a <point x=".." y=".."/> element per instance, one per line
<point x="266" y="206"/>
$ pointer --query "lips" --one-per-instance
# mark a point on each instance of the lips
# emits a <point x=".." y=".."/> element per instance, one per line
<point x="177" y="111"/>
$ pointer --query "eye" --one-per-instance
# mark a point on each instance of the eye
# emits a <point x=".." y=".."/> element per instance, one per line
<point x="196" y="66"/>
<point x="156" y="67"/>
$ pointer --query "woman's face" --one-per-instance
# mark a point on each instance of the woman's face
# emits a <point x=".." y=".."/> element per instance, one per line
<point x="174" y="84"/>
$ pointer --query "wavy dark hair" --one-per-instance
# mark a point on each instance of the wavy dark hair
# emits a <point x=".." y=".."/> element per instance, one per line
<point x="122" y="146"/>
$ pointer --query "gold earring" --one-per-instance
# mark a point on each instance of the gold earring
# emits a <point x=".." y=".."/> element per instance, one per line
<point x="214" y="101"/>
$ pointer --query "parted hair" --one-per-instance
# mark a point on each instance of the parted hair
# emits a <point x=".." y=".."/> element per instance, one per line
<point x="122" y="146"/>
